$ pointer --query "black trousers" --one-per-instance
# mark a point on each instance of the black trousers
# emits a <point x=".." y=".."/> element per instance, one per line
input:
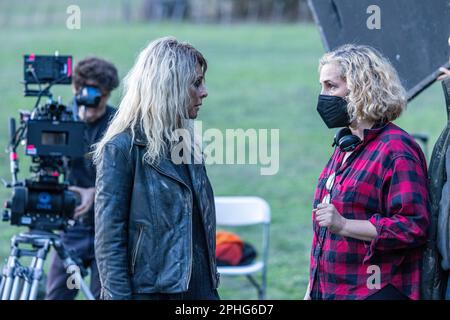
<point x="80" y="241"/>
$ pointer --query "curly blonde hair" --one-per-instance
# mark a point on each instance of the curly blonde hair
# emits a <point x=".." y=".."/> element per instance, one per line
<point x="375" y="91"/>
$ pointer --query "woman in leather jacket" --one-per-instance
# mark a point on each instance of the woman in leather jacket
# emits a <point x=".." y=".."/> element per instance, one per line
<point x="154" y="205"/>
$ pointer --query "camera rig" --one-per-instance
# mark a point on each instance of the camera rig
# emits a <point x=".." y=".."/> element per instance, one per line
<point x="53" y="135"/>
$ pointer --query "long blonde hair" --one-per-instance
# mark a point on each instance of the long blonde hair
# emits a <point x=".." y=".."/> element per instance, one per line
<point x="156" y="97"/>
<point x="376" y="93"/>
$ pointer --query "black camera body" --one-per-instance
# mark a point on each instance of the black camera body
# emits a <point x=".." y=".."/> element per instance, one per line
<point x="43" y="205"/>
<point x="53" y="135"/>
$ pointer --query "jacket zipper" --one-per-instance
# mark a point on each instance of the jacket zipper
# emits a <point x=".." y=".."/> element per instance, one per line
<point x="191" y="247"/>
<point x="212" y="266"/>
<point x="136" y="250"/>
<point x="190" y="222"/>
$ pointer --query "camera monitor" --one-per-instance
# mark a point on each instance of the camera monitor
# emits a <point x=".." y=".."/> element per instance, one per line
<point x="47" y="69"/>
<point x="54" y="138"/>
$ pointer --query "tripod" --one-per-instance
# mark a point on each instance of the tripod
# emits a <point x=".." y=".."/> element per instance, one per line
<point x="20" y="282"/>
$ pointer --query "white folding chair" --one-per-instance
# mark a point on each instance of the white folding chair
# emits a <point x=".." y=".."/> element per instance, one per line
<point x="246" y="211"/>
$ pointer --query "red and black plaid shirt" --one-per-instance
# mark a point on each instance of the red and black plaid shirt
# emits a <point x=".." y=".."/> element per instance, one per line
<point x="383" y="181"/>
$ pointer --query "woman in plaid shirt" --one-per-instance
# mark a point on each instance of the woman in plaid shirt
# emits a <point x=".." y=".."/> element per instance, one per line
<point x="371" y="213"/>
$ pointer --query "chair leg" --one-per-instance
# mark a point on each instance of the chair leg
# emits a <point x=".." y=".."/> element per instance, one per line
<point x="258" y="287"/>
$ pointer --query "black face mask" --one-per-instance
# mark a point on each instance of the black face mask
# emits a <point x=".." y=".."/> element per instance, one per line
<point x="333" y="111"/>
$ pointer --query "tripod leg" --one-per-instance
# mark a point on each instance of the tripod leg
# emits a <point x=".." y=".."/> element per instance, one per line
<point x="74" y="269"/>
<point x="84" y="288"/>
<point x="9" y="277"/>
<point x="27" y="283"/>
<point x="3" y="281"/>
<point x="37" y="274"/>
<point x="2" y="284"/>
<point x="16" y="284"/>
<point x="25" y="291"/>
<point x="37" y="271"/>
<point x="70" y="265"/>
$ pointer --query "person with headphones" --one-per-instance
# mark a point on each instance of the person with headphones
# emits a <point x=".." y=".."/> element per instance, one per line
<point x="371" y="211"/>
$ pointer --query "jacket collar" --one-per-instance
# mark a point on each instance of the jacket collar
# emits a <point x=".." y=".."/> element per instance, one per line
<point x="139" y="137"/>
<point x="165" y="164"/>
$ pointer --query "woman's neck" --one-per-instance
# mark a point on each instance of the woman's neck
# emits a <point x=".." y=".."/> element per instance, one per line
<point x="358" y="126"/>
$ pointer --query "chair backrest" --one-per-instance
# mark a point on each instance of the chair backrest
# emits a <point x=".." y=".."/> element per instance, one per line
<point x="240" y="211"/>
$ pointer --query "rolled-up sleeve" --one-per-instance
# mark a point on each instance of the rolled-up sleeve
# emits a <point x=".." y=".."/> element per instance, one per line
<point x="405" y="222"/>
<point x="112" y="198"/>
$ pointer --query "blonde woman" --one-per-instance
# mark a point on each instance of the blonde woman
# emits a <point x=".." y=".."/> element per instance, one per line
<point x="371" y="213"/>
<point x="155" y="216"/>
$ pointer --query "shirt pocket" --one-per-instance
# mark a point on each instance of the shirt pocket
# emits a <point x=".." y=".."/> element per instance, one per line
<point x="358" y="196"/>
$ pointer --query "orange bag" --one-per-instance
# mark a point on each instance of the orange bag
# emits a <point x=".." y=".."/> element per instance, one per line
<point x="229" y="248"/>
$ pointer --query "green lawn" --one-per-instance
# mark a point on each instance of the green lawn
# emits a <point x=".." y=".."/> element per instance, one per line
<point x="259" y="76"/>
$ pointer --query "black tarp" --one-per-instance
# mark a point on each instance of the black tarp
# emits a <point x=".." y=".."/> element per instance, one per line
<point x="413" y="34"/>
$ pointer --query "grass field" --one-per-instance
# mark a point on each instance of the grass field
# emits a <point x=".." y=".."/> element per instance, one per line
<point x="259" y="76"/>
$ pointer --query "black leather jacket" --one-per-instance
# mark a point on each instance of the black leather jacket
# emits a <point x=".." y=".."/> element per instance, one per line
<point x="143" y="221"/>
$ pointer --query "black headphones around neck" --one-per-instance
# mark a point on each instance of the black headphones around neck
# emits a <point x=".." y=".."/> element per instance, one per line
<point x="346" y="140"/>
